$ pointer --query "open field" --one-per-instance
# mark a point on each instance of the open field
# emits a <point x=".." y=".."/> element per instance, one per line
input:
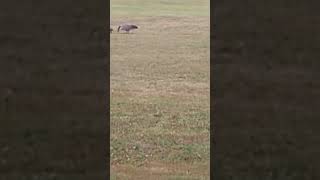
<point x="160" y="90"/>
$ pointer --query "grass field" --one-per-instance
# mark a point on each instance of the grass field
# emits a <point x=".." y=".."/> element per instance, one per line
<point x="160" y="90"/>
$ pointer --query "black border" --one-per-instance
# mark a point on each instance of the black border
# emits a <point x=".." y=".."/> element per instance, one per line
<point x="264" y="95"/>
<point x="30" y="25"/>
<point x="108" y="118"/>
<point x="212" y="137"/>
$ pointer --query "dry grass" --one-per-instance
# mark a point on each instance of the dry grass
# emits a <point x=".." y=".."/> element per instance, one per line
<point x="160" y="98"/>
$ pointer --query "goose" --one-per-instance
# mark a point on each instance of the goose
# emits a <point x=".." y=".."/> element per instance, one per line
<point x="127" y="27"/>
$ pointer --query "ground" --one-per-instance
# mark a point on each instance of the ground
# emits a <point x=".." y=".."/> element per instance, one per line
<point x="160" y="90"/>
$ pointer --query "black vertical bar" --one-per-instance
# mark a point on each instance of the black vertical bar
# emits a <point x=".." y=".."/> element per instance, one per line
<point x="108" y="92"/>
<point x="55" y="58"/>
<point x="265" y="90"/>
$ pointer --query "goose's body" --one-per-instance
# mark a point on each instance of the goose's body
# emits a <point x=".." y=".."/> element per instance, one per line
<point x="127" y="27"/>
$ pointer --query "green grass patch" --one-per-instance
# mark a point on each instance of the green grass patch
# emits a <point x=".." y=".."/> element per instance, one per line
<point x="160" y="90"/>
<point x="160" y="8"/>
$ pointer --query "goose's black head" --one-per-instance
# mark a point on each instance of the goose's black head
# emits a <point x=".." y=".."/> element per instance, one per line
<point x="134" y="27"/>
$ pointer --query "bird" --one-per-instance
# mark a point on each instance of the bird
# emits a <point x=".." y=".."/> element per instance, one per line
<point x="127" y="27"/>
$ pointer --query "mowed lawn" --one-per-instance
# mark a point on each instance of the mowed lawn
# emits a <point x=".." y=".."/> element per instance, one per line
<point x="160" y="90"/>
